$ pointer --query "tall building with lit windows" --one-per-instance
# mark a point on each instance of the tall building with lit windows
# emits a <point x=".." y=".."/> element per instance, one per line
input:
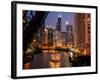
<point x="83" y="30"/>
<point x="64" y="39"/>
<point x="87" y="20"/>
<point x="69" y="34"/>
<point x="58" y="25"/>
<point x="50" y="37"/>
<point x="57" y="37"/>
<point x="80" y="30"/>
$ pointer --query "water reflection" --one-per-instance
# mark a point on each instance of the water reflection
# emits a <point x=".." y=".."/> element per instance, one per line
<point x="55" y="57"/>
<point x="53" y="64"/>
<point x="27" y="65"/>
<point x="49" y="59"/>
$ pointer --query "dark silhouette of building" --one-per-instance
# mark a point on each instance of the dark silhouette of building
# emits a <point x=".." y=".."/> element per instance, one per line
<point x="50" y="37"/>
<point x="64" y="38"/>
<point x="58" y="25"/>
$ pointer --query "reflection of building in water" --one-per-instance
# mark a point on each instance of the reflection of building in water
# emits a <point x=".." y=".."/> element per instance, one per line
<point x="55" y="57"/>
<point x="26" y="66"/>
<point x="55" y="60"/>
<point x="54" y="64"/>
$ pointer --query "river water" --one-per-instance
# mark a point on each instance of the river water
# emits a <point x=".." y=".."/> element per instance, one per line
<point x="49" y="59"/>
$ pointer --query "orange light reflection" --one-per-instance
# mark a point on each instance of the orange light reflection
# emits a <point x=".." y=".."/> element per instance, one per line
<point x="54" y="64"/>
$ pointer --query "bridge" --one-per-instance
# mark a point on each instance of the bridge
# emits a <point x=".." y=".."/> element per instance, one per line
<point x="73" y="50"/>
<point x="47" y="48"/>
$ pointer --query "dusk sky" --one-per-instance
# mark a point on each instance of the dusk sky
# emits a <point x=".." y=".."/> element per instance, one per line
<point x="65" y="16"/>
<point x="51" y="19"/>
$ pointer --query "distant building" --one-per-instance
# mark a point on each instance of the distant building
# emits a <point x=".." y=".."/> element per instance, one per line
<point x="50" y="37"/>
<point x="42" y="34"/>
<point x="64" y="38"/>
<point x="57" y="38"/>
<point x="69" y="34"/>
<point x="58" y="25"/>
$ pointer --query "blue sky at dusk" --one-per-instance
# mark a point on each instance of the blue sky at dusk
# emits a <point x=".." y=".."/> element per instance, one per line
<point x="51" y="19"/>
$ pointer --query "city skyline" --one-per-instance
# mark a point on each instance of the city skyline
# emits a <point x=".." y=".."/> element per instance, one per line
<point x="70" y="38"/>
<point x="79" y="22"/>
<point x="51" y="19"/>
<point x="66" y="17"/>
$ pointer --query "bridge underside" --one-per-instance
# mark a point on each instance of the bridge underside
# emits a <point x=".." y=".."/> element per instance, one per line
<point x="33" y="27"/>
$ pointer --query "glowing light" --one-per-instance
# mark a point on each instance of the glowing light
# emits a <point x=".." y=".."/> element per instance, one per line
<point x="54" y="64"/>
<point x="84" y="52"/>
<point x="55" y="57"/>
<point x="67" y="23"/>
<point x="77" y="50"/>
<point x="71" y="54"/>
<point x="27" y="66"/>
<point x="46" y="30"/>
<point x="59" y="15"/>
<point x="34" y="40"/>
<point x="88" y="19"/>
<point x="68" y="45"/>
<point x="71" y="45"/>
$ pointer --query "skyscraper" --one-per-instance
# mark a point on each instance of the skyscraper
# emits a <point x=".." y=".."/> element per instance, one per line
<point x="57" y="33"/>
<point x="82" y="30"/>
<point x="57" y="38"/>
<point x="69" y="34"/>
<point x="58" y="26"/>
<point x="87" y="21"/>
<point x="64" y="38"/>
<point x="50" y="37"/>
